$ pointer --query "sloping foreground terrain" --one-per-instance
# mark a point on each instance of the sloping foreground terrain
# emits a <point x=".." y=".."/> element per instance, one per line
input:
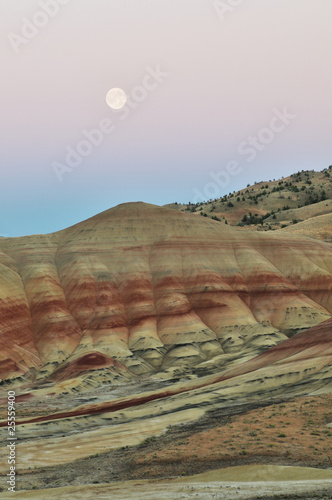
<point x="237" y="483"/>
<point x="142" y="318"/>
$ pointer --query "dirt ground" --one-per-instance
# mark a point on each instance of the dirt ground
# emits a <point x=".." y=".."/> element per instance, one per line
<point x="293" y="432"/>
<point x="189" y="490"/>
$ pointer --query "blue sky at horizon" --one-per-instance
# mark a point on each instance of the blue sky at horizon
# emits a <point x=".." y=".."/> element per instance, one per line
<point x="204" y="78"/>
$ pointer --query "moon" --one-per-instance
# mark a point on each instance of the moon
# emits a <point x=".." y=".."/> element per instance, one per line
<point x="116" y="98"/>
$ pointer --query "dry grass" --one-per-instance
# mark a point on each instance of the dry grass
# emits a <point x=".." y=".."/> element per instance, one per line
<point x="296" y="431"/>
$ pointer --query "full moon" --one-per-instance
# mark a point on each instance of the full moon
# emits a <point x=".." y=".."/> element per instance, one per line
<point x="116" y="98"/>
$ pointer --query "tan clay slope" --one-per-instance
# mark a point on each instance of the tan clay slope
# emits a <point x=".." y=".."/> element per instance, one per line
<point x="140" y="288"/>
<point x="319" y="228"/>
<point x="304" y="213"/>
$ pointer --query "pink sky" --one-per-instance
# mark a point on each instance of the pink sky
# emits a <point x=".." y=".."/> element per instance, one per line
<point x="227" y="74"/>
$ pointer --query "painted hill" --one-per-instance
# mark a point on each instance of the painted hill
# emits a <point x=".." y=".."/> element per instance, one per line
<point x="141" y="290"/>
<point x="106" y="423"/>
<point x="151" y="343"/>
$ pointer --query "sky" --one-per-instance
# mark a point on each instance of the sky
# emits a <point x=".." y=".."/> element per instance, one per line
<point x="220" y="94"/>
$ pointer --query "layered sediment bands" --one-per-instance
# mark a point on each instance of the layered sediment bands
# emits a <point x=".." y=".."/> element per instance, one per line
<point x="90" y="362"/>
<point x="143" y="290"/>
<point x="18" y="353"/>
<point x="302" y="364"/>
<point x="312" y="348"/>
<point x="55" y="332"/>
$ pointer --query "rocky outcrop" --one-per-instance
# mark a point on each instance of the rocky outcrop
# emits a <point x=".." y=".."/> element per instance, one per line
<point x="143" y="290"/>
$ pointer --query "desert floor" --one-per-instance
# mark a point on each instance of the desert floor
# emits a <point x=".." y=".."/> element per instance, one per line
<point x="272" y="449"/>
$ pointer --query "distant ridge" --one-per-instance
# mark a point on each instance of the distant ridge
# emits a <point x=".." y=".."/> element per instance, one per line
<point x="273" y="205"/>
